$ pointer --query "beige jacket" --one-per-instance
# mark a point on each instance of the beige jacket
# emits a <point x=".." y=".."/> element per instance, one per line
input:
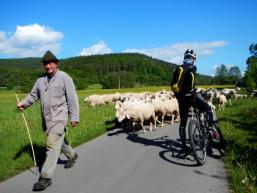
<point x="58" y="98"/>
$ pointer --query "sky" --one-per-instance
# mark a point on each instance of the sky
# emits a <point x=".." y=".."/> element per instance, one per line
<point x="220" y="31"/>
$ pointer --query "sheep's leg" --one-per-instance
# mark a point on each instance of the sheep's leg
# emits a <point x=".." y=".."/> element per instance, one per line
<point x="156" y="118"/>
<point x="144" y="130"/>
<point x="151" y="126"/>
<point x="133" y="126"/>
<point x="172" y="119"/>
<point x="154" y="121"/>
<point x="177" y="117"/>
<point x="162" y="120"/>
<point x="142" y="125"/>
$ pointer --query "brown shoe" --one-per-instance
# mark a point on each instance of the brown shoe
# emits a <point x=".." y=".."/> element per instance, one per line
<point x="71" y="161"/>
<point x="42" y="184"/>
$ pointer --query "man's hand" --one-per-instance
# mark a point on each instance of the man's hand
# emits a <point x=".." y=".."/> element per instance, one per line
<point x="20" y="106"/>
<point x="74" y="124"/>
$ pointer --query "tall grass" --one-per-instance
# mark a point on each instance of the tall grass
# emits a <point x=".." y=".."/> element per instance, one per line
<point x="13" y="136"/>
<point x="239" y="126"/>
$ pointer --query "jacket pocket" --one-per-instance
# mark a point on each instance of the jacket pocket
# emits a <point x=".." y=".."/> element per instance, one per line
<point x="57" y="92"/>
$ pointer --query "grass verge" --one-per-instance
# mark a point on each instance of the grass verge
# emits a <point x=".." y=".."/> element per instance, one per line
<point x="239" y="126"/>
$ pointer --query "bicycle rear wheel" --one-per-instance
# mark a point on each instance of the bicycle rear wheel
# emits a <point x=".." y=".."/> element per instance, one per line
<point x="198" y="141"/>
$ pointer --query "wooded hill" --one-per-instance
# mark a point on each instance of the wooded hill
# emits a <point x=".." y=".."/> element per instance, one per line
<point x="110" y="70"/>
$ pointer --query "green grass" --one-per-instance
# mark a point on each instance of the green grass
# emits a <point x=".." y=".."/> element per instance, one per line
<point x="239" y="126"/>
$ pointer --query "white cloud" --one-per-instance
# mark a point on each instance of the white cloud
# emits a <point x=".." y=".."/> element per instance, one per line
<point x="30" y="41"/>
<point x="174" y="52"/>
<point x="230" y="66"/>
<point x="215" y="67"/>
<point x="99" y="48"/>
<point x="2" y="35"/>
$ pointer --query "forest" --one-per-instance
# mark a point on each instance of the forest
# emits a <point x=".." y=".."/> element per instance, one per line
<point x="121" y="70"/>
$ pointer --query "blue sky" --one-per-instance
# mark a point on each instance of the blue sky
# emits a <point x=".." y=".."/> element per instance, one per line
<point x="220" y="31"/>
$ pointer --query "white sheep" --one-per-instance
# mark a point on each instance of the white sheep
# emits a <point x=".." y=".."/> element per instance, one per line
<point x="240" y="96"/>
<point x="172" y="108"/>
<point x="229" y="93"/>
<point x="108" y="98"/>
<point x="222" y="100"/>
<point x="97" y="100"/>
<point x="160" y="111"/>
<point x="136" y="112"/>
<point x="94" y="100"/>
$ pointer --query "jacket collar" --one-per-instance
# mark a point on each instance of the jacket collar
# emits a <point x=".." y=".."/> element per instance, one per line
<point x="51" y="80"/>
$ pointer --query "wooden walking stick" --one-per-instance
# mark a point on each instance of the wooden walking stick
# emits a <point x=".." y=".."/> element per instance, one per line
<point x="31" y="144"/>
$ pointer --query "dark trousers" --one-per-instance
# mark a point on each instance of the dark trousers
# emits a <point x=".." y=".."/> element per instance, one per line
<point x="185" y="102"/>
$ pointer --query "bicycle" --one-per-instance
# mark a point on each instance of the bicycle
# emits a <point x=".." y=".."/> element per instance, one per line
<point x="200" y="135"/>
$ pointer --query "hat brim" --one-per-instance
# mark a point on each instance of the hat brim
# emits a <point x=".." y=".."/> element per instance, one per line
<point x="50" y="60"/>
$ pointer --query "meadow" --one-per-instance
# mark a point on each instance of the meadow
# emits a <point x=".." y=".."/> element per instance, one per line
<point x="238" y="123"/>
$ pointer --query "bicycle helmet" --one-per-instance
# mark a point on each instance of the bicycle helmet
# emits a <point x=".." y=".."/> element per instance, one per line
<point x="190" y="53"/>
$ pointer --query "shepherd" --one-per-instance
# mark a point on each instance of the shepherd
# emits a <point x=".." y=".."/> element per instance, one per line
<point x="58" y="98"/>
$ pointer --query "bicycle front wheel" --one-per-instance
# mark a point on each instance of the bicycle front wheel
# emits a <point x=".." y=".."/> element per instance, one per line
<point x="198" y="141"/>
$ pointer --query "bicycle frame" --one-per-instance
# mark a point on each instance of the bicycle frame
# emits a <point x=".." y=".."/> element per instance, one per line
<point x="200" y="116"/>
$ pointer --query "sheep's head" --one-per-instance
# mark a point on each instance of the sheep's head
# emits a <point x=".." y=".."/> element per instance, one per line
<point x="121" y="115"/>
<point x="85" y="100"/>
<point x="118" y="105"/>
<point x="232" y="92"/>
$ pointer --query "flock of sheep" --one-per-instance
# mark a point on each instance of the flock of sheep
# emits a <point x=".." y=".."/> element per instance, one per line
<point x="220" y="97"/>
<point x="154" y="107"/>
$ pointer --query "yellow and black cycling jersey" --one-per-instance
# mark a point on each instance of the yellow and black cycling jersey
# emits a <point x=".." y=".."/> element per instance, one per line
<point x="183" y="79"/>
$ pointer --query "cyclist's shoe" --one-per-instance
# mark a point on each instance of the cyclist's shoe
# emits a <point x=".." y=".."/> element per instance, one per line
<point x="186" y="149"/>
<point x="215" y="134"/>
<point x="42" y="184"/>
<point x="184" y="152"/>
<point x="71" y="161"/>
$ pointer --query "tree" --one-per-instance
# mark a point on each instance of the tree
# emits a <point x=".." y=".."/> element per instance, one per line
<point x="221" y="74"/>
<point x="234" y="74"/>
<point x="224" y="75"/>
<point x="234" y="71"/>
<point x="250" y="77"/>
<point x="253" y="49"/>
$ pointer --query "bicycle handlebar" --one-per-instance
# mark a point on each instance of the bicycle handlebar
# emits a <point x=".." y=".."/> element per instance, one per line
<point x="191" y="93"/>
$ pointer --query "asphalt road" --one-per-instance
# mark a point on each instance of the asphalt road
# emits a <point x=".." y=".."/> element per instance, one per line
<point x="118" y="162"/>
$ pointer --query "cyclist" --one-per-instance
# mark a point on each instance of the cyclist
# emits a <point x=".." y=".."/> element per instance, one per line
<point x="182" y="84"/>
